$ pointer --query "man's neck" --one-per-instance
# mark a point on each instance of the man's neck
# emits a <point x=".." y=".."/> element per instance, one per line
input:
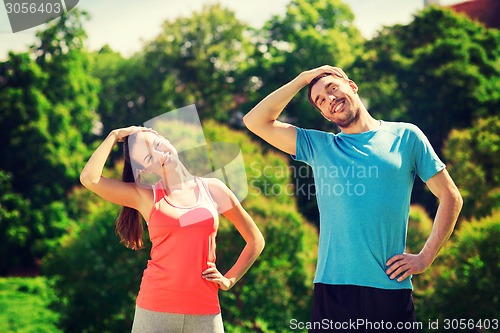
<point x="364" y="123"/>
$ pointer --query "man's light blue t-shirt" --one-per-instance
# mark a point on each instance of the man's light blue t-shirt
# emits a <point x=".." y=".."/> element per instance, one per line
<point x="363" y="187"/>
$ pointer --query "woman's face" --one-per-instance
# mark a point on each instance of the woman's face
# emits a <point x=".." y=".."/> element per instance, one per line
<point x="151" y="152"/>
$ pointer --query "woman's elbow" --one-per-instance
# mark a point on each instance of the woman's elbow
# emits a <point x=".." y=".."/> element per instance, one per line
<point x="260" y="244"/>
<point x="86" y="180"/>
<point x="247" y="120"/>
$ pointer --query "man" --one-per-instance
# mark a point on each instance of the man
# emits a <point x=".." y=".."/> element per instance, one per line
<point x="364" y="177"/>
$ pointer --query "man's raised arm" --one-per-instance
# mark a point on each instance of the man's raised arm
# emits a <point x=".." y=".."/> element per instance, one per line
<point x="262" y="119"/>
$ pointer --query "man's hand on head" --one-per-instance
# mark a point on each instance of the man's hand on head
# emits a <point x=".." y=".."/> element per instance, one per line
<point x="309" y="75"/>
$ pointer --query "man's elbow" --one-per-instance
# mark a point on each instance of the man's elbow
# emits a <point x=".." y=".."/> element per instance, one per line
<point x="257" y="125"/>
<point x="459" y="201"/>
<point x="455" y="199"/>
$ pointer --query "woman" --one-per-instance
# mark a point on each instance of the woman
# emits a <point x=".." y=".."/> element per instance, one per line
<point x="179" y="288"/>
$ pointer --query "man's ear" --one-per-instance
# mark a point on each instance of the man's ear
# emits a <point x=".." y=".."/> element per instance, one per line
<point x="353" y="86"/>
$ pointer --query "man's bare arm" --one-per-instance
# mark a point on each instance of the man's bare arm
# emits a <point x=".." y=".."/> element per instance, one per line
<point x="262" y="119"/>
<point x="450" y="204"/>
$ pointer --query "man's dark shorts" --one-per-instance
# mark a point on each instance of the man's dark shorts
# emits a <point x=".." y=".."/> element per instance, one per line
<point x="348" y="308"/>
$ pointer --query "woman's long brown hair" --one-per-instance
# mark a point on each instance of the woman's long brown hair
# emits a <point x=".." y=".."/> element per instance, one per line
<point x="129" y="223"/>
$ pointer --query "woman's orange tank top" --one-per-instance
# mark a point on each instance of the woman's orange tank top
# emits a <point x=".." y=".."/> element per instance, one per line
<point x="183" y="241"/>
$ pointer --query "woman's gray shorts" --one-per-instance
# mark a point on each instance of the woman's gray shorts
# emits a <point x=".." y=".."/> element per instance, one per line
<point x="147" y="321"/>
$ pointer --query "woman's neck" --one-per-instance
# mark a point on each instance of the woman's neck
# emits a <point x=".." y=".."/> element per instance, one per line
<point x="178" y="179"/>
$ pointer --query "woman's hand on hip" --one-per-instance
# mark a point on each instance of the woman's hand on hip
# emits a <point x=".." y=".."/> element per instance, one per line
<point x="212" y="274"/>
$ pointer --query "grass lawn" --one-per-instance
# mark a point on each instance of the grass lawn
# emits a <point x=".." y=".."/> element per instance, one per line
<point x="24" y="305"/>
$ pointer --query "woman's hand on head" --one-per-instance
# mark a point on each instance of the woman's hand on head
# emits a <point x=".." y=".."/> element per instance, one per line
<point x="122" y="133"/>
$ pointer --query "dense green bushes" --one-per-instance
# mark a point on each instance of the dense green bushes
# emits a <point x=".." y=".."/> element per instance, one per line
<point x="465" y="277"/>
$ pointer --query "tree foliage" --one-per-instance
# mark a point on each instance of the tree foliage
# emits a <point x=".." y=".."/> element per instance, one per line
<point x="120" y="94"/>
<point x="419" y="229"/>
<point x="474" y="160"/>
<point x="17" y="232"/>
<point x="197" y="59"/>
<point x="466" y="275"/>
<point x="440" y="71"/>
<point x="47" y="99"/>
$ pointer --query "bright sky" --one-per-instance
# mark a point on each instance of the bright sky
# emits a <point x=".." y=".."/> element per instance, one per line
<point x="125" y="24"/>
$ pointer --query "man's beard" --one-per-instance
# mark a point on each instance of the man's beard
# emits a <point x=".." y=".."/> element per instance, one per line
<point x="351" y="118"/>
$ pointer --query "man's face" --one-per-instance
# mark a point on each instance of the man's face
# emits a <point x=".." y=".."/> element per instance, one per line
<point x="335" y="98"/>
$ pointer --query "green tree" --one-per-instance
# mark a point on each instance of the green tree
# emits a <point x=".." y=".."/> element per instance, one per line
<point x="33" y="176"/>
<point x="121" y="94"/>
<point x="16" y="233"/>
<point x="196" y="59"/>
<point x="47" y="112"/>
<point x="441" y="71"/>
<point x="466" y="276"/>
<point x="419" y="229"/>
<point x="47" y="100"/>
<point x="473" y="156"/>
<point x="60" y="52"/>
<point x="24" y="128"/>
